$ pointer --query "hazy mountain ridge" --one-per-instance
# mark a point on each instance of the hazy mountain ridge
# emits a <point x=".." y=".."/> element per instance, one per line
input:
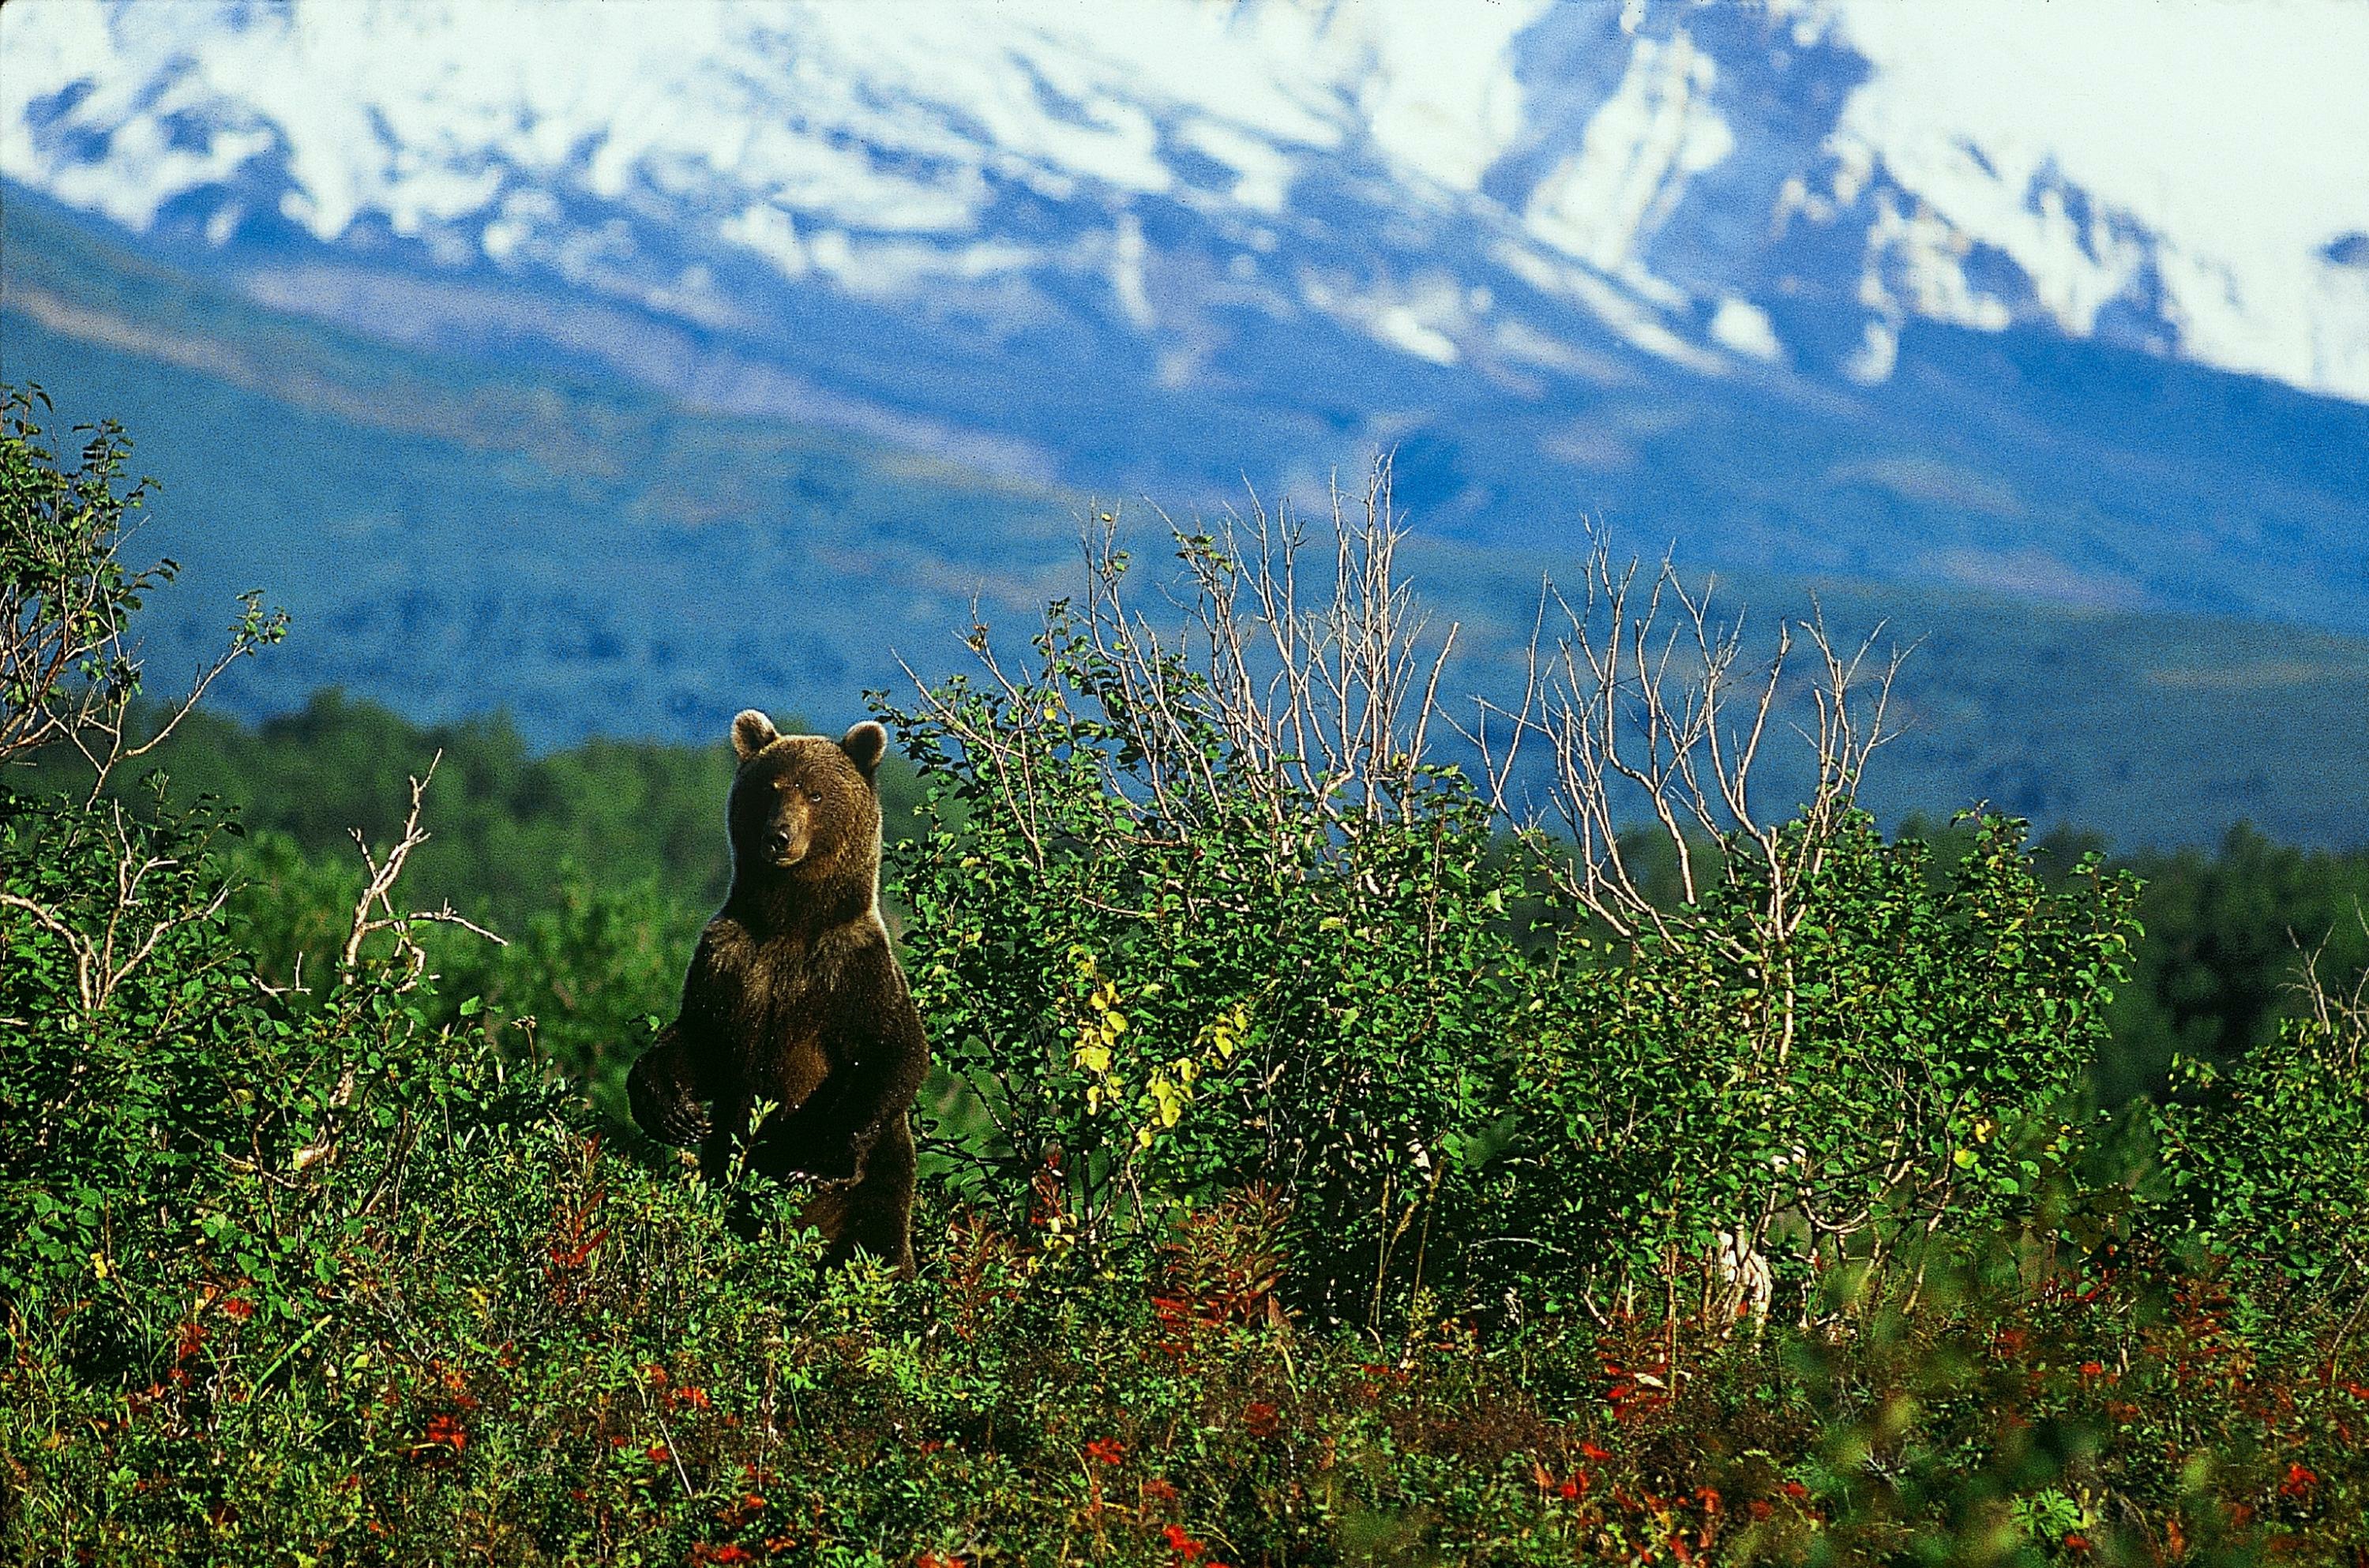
<point x="599" y="560"/>
<point x="596" y="481"/>
<point x="1566" y="258"/>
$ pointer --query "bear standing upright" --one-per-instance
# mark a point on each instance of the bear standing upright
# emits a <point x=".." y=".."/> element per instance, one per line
<point x="794" y="996"/>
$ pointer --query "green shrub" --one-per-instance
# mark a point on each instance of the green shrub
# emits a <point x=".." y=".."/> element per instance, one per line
<point x="1267" y="1149"/>
<point x="2265" y="1156"/>
<point x="1909" y="1054"/>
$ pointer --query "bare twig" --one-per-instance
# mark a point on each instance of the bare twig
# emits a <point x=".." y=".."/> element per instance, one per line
<point x="379" y="891"/>
<point x="1313" y="706"/>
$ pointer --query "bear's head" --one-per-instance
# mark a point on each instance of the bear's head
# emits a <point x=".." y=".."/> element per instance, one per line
<point x="804" y="811"/>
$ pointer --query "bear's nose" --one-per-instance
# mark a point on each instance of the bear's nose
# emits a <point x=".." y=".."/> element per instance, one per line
<point x="778" y="844"/>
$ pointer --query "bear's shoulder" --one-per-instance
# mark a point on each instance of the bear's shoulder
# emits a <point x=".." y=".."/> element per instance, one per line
<point x="728" y="940"/>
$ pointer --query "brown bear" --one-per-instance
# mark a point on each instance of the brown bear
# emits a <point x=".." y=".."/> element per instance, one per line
<point x="795" y="996"/>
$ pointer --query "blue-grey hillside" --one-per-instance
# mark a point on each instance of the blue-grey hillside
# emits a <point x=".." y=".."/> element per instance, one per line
<point x="597" y="558"/>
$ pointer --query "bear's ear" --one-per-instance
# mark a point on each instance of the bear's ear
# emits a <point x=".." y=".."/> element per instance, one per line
<point x="752" y="733"/>
<point x="864" y="745"/>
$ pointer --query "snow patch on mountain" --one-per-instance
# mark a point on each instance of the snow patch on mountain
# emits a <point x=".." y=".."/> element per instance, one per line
<point x="2115" y="149"/>
<point x="1631" y="169"/>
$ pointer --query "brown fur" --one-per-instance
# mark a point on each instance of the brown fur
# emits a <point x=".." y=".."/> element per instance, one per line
<point x="794" y="996"/>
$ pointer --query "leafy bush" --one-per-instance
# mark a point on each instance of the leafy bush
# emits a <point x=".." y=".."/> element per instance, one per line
<point x="2265" y="1156"/>
<point x="1268" y="1147"/>
<point x="1160" y="967"/>
<point x="1908" y="1055"/>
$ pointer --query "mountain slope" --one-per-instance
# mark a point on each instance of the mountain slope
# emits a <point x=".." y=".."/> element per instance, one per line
<point x="1694" y="166"/>
<point x="599" y="560"/>
<point x="1784" y="284"/>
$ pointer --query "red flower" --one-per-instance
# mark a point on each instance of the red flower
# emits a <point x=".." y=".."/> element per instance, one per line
<point x="728" y="1553"/>
<point x="1157" y="1490"/>
<point x="1259" y="1419"/>
<point x="659" y="1453"/>
<point x="1794" y="1490"/>
<point x="239" y="1307"/>
<point x="193" y="1334"/>
<point x="2092" y="1368"/>
<point x="1571" y="1487"/>
<point x="1590" y="1451"/>
<point x="2298" y="1483"/>
<point x="1107" y="1450"/>
<point x="448" y="1432"/>
<point x="2077" y="1542"/>
<point x="1180" y="1541"/>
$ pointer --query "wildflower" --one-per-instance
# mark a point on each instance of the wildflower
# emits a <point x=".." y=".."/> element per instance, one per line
<point x="1572" y="1485"/>
<point x="1157" y="1490"/>
<point x="659" y="1453"/>
<point x="1794" y="1490"/>
<point x="1259" y="1419"/>
<point x="447" y="1430"/>
<point x="1182" y="1542"/>
<point x="1590" y="1451"/>
<point x="2093" y="1368"/>
<point x="2075" y="1541"/>
<point x="1107" y="1450"/>
<point x="2298" y="1483"/>
<point x="239" y="1307"/>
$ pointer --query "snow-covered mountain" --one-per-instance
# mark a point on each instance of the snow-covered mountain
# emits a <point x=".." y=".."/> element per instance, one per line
<point x="2194" y="179"/>
<point x="2045" y="301"/>
<point x="1170" y="242"/>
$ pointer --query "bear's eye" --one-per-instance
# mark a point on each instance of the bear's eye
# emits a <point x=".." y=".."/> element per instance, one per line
<point x="814" y="797"/>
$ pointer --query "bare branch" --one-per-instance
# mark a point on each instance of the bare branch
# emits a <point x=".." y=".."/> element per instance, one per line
<point x="1643" y="715"/>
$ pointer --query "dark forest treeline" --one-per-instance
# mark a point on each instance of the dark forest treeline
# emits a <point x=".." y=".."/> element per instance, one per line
<point x="589" y="839"/>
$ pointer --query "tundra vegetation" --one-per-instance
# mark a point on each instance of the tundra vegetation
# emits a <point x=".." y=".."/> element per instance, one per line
<point x="1337" y="1155"/>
